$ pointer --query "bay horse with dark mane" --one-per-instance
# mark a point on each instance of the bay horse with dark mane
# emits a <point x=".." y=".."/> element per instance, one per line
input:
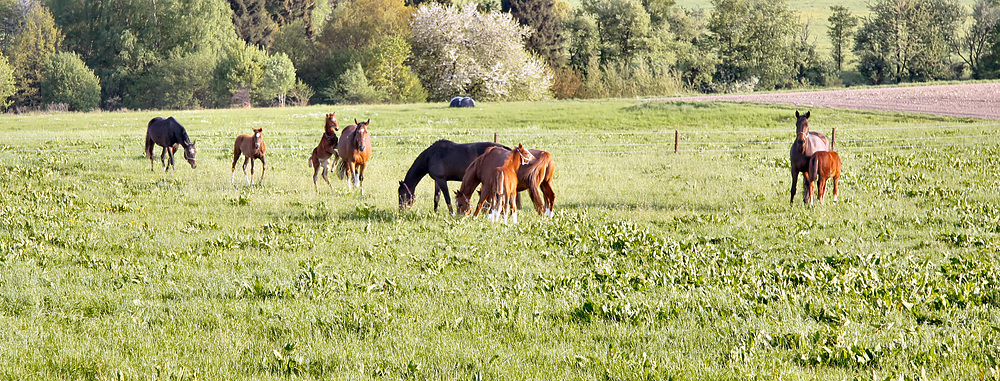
<point x="824" y="165"/>
<point x="806" y="144"/>
<point x="497" y="170"/>
<point x="443" y="161"/>
<point x="168" y="133"/>
<point x="251" y="147"/>
<point x="354" y="148"/>
<point x="325" y="150"/>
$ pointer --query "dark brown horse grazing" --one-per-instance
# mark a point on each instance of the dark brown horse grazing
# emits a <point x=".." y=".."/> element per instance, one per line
<point x="168" y="134"/>
<point x="499" y="182"/>
<point x="443" y="161"/>
<point x="325" y="150"/>
<point x="251" y="147"/>
<point x="823" y="165"/>
<point x="805" y="145"/>
<point x="355" y="147"/>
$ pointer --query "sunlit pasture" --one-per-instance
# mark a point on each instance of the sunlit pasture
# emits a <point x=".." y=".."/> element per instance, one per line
<point x="682" y="265"/>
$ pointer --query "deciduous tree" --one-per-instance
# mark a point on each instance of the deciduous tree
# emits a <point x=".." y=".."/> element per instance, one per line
<point x="459" y="51"/>
<point x="841" y="29"/>
<point x="68" y="80"/>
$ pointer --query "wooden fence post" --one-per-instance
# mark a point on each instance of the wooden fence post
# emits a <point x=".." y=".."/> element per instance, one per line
<point x="833" y="138"/>
<point x="494" y="137"/>
<point x="677" y="138"/>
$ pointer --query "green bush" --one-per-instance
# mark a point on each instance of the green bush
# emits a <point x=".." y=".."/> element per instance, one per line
<point x="68" y="80"/>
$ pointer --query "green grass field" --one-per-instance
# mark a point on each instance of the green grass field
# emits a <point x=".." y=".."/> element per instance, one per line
<point x="658" y="265"/>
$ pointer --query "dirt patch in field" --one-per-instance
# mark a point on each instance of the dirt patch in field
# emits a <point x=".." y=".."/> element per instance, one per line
<point x="977" y="100"/>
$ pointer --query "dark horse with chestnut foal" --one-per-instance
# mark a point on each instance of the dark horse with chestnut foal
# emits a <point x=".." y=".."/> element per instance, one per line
<point x="811" y="155"/>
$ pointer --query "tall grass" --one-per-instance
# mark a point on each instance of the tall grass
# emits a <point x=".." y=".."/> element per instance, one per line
<point x="658" y="266"/>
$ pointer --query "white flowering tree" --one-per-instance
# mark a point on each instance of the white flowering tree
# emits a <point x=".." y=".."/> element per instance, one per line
<point x="461" y="52"/>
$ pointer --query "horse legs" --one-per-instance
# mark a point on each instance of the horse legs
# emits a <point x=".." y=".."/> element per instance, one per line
<point x="437" y="197"/>
<point x="361" y="177"/>
<point x="170" y="152"/>
<point x="550" y="198"/>
<point x="795" y="180"/>
<point x="314" y="162"/>
<point x="236" y="158"/>
<point x="245" y="159"/>
<point x="441" y="185"/>
<point x="809" y="187"/>
<point x="821" y="187"/>
<point x="326" y="169"/>
<point x="149" y="152"/>
<point x="263" y="168"/>
<point x="836" y="179"/>
<point x="163" y="158"/>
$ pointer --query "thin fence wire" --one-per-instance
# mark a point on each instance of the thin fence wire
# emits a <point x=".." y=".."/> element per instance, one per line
<point x="841" y="128"/>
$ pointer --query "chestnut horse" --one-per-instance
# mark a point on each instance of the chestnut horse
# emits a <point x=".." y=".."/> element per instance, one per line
<point x="535" y="177"/>
<point x="823" y="165"/>
<point x="168" y="133"/>
<point x="251" y="147"/>
<point x="443" y="161"/>
<point x="497" y="171"/>
<point x="325" y="150"/>
<point x="354" y="148"/>
<point x="805" y="145"/>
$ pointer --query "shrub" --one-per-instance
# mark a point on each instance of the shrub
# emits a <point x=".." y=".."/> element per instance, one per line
<point x="67" y="79"/>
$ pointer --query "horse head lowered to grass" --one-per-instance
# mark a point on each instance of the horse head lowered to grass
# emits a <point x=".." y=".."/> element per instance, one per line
<point x="443" y="161"/>
<point x="497" y="171"/>
<point x="169" y="134"/>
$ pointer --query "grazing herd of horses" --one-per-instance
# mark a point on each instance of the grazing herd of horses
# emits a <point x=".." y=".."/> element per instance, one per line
<point x="499" y="171"/>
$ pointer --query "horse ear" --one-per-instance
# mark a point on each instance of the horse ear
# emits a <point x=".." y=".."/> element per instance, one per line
<point x="356" y="121"/>
<point x="807" y="114"/>
<point x="796" y="114"/>
<point x="367" y="122"/>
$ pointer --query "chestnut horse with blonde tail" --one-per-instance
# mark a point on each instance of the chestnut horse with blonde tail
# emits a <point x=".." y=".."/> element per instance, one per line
<point x="354" y="148"/>
<point x="535" y="177"/>
<point x="806" y="144"/>
<point x="497" y="170"/>
<point x="824" y="165"/>
<point x="251" y="147"/>
<point x="325" y="153"/>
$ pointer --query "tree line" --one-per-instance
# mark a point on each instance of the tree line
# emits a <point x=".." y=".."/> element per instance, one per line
<point x="180" y="54"/>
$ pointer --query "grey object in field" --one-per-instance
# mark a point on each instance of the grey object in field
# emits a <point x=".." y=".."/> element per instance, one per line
<point x="462" y="102"/>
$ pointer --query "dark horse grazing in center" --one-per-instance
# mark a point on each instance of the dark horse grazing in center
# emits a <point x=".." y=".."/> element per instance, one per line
<point x="168" y="134"/>
<point x="806" y="144"/>
<point x="444" y="161"/>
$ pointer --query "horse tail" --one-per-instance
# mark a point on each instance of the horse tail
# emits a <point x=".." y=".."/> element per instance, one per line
<point x="341" y="169"/>
<point x="814" y="169"/>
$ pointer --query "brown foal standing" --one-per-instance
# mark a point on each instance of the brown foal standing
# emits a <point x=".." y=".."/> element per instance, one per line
<point x="325" y="153"/>
<point x="251" y="147"/>
<point x="823" y="166"/>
